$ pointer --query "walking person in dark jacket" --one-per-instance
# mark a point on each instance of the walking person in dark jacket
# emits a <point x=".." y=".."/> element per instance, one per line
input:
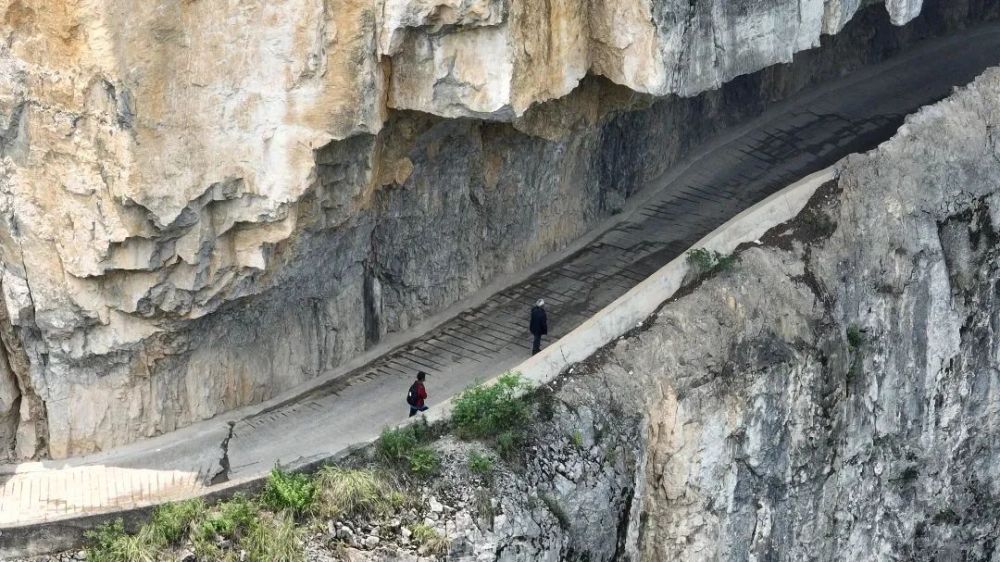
<point x="539" y="325"/>
<point x="417" y="394"/>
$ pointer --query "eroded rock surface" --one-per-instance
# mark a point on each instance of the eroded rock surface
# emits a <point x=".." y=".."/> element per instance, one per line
<point x="833" y="396"/>
<point x="206" y="203"/>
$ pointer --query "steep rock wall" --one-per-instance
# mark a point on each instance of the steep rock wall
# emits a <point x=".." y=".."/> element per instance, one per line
<point x="832" y="396"/>
<point x="205" y="204"/>
<point x="835" y="395"/>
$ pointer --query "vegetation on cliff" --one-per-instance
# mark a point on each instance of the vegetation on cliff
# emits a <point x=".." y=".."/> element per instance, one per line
<point x="375" y="495"/>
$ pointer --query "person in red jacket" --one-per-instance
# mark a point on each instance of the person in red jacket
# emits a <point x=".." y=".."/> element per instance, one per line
<point x="417" y="394"/>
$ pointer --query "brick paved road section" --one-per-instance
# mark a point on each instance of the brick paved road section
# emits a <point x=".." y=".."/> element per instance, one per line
<point x="37" y="494"/>
<point x="731" y="173"/>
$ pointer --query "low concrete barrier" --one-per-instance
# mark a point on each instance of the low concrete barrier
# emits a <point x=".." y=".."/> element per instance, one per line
<point x="642" y="300"/>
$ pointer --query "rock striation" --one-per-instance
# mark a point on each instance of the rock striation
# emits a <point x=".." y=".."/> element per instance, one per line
<point x="832" y="396"/>
<point x="203" y="204"/>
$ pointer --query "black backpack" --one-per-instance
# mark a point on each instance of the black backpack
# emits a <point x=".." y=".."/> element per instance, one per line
<point x="411" y="395"/>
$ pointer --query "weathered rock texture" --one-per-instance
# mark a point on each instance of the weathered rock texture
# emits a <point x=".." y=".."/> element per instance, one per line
<point x="564" y="495"/>
<point x="833" y="396"/>
<point x="206" y="203"/>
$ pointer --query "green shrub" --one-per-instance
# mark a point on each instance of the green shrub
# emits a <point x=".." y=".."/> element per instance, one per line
<point x="291" y="491"/>
<point x="706" y="260"/>
<point x="480" y="463"/>
<point x="701" y="259"/>
<point x="171" y="522"/>
<point x="854" y="336"/>
<point x="110" y="543"/>
<point x="426" y="536"/>
<point x="577" y="438"/>
<point x="424" y="461"/>
<point x="487" y="411"/>
<point x="724" y="262"/>
<point x="395" y="445"/>
<point x="347" y="492"/>
<point x="237" y="514"/>
<point x="274" y="539"/>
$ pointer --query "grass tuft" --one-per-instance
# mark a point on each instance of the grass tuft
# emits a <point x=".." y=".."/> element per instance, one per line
<point x="234" y="516"/>
<point x="110" y="543"/>
<point x="396" y="444"/>
<point x="401" y="448"/>
<point x="171" y="522"/>
<point x="424" y="461"/>
<point x="480" y="463"/>
<point x="425" y="536"/>
<point x="611" y="456"/>
<point x="348" y="492"/>
<point x="275" y="539"/>
<point x="263" y="537"/>
<point x="232" y="520"/>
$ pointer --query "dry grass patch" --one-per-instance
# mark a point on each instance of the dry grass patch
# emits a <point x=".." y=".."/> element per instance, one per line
<point x="355" y="493"/>
<point x="430" y="540"/>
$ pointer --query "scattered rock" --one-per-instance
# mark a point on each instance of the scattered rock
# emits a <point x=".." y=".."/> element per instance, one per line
<point x="345" y="533"/>
<point x="435" y="506"/>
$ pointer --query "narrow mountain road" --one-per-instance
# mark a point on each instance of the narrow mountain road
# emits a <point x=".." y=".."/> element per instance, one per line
<point x="739" y="168"/>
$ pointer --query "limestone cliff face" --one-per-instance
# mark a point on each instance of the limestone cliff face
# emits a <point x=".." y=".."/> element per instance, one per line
<point x="833" y="396"/>
<point x="205" y="203"/>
